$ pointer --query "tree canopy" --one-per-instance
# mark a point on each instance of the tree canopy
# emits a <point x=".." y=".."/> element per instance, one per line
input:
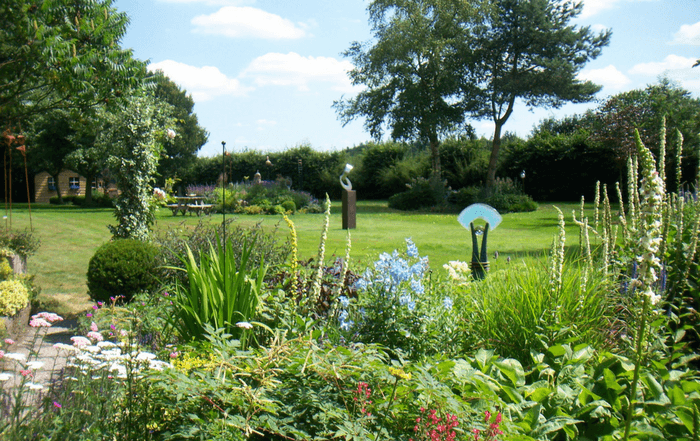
<point x="62" y="55"/>
<point x="178" y="154"/>
<point x="528" y="50"/>
<point x="409" y="71"/>
<point x="434" y="63"/>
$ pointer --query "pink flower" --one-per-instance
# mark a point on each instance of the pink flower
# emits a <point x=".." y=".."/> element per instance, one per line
<point x="9" y="341"/>
<point x="80" y="342"/>
<point x="26" y="372"/>
<point x="112" y="327"/>
<point x="39" y="322"/>
<point x="93" y="335"/>
<point x="93" y="327"/>
<point x="49" y="316"/>
<point x="88" y="315"/>
<point x="57" y="404"/>
<point x="2" y="353"/>
<point x="173" y="355"/>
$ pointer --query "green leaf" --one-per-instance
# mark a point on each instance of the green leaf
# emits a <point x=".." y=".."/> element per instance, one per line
<point x="512" y="369"/>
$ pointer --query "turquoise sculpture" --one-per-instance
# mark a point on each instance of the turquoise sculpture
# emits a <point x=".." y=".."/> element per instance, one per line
<point x="480" y="262"/>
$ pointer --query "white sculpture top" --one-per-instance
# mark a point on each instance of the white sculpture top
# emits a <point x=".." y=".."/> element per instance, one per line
<point x="344" y="181"/>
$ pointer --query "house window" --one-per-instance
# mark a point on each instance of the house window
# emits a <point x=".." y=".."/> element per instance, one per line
<point x="52" y="183"/>
<point x="94" y="183"/>
<point x="74" y="183"/>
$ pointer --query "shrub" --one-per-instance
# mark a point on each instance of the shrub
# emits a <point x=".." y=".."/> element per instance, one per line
<point x="289" y="206"/>
<point x="421" y="193"/>
<point x="122" y="267"/>
<point x="13" y="297"/>
<point x="24" y="243"/>
<point x="5" y="268"/>
<point x="99" y="199"/>
<point x="505" y="196"/>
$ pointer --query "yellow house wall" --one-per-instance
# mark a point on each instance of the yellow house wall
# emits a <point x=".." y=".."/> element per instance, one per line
<point x="41" y="185"/>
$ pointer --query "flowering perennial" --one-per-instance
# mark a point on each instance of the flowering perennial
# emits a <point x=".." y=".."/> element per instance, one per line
<point x="432" y="427"/>
<point x="652" y="196"/>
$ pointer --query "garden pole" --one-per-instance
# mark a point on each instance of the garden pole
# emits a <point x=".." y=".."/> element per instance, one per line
<point x="223" y="203"/>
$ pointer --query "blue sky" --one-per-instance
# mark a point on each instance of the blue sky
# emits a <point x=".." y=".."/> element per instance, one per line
<point x="265" y="73"/>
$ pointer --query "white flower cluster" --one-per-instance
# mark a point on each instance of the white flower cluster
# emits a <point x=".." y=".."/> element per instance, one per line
<point x="114" y="357"/>
<point x="159" y="194"/>
<point x="458" y="271"/>
<point x="651" y="199"/>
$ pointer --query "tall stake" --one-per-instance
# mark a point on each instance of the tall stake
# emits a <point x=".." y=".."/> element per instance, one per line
<point x="223" y="201"/>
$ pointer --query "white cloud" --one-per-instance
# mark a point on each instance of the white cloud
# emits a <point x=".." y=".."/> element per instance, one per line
<point x="609" y="77"/>
<point x="594" y="7"/>
<point x="294" y="70"/>
<point x="671" y="62"/>
<point x="688" y="34"/>
<point x="204" y="83"/>
<point x="242" y="22"/>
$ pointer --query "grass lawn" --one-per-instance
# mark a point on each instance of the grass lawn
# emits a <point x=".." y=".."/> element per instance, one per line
<point x="70" y="235"/>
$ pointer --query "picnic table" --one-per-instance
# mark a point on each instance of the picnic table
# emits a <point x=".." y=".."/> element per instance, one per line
<point x="190" y="204"/>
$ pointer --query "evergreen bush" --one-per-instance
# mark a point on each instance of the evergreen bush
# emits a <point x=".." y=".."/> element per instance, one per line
<point x="122" y="267"/>
<point x="13" y="297"/>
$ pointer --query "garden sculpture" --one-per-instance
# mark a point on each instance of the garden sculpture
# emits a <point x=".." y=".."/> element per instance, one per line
<point x="349" y="199"/>
<point x="480" y="263"/>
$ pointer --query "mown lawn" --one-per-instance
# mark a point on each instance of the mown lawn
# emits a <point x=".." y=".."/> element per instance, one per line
<point x="70" y="235"/>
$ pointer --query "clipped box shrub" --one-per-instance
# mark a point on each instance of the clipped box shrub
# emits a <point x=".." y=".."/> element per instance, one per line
<point x="13" y="297"/>
<point x="122" y="267"/>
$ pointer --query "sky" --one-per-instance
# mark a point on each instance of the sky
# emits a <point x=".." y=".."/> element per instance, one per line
<point x="264" y="73"/>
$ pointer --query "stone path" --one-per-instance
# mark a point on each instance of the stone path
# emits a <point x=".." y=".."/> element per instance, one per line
<point x="41" y="348"/>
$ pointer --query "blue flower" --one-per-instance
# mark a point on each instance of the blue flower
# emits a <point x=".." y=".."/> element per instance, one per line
<point x="345" y="323"/>
<point x="411" y="248"/>
<point x="417" y="286"/>
<point x="361" y="284"/>
<point x="447" y="303"/>
<point x="405" y="299"/>
<point x="344" y="301"/>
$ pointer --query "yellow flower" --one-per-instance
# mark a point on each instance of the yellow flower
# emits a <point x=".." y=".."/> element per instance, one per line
<point x="399" y="373"/>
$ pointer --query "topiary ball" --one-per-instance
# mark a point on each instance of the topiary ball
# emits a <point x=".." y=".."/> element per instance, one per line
<point x="122" y="267"/>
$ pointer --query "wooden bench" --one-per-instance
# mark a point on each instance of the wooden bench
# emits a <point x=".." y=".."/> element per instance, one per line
<point x="177" y="207"/>
<point x="198" y="209"/>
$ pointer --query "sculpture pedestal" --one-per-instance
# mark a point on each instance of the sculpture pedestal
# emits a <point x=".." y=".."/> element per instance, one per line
<point x="349" y="209"/>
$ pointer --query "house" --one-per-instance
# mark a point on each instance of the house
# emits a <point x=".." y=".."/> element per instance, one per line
<point x="70" y="183"/>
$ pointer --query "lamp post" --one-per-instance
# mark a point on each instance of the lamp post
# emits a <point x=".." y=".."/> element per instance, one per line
<point x="522" y="176"/>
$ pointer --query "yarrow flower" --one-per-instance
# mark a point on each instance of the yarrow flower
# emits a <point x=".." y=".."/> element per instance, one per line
<point x="9" y="341"/>
<point x="93" y="335"/>
<point x="244" y="325"/>
<point x="93" y="327"/>
<point x="80" y="342"/>
<point x="39" y="323"/>
<point x="48" y="316"/>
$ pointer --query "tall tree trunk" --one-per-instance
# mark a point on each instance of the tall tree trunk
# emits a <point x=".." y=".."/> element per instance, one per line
<point x="58" y="189"/>
<point x="88" y="189"/>
<point x="493" y="160"/>
<point x="496" y="146"/>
